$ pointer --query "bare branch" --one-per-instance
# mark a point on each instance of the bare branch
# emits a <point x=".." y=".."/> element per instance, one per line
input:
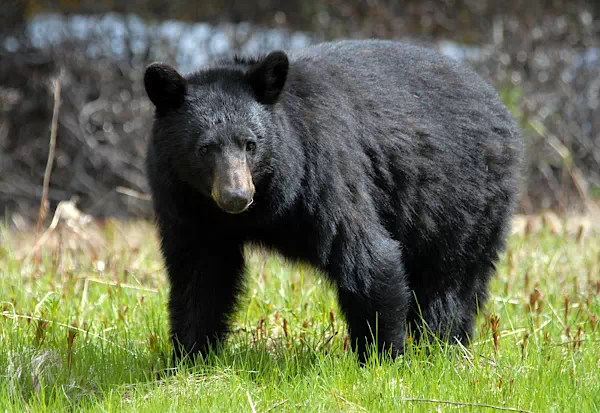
<point x="465" y="404"/>
<point x="50" y="162"/>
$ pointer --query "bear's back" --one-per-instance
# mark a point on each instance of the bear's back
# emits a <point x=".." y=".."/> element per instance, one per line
<point x="399" y="75"/>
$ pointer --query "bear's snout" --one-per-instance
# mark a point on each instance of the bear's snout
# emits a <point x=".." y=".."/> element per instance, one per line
<point x="233" y="189"/>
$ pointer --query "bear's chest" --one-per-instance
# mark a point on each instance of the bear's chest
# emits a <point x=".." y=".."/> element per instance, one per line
<point x="296" y="242"/>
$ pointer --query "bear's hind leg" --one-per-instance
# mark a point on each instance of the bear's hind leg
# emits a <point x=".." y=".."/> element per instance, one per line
<point x="444" y="316"/>
<point x="449" y="313"/>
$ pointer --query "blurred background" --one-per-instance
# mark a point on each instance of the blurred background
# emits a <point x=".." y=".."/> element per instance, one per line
<point x="543" y="56"/>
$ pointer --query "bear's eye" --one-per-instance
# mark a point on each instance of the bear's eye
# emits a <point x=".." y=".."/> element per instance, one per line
<point x="251" y="146"/>
<point x="202" y="150"/>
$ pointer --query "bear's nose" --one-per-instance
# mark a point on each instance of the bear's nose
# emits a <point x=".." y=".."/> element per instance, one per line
<point x="235" y="200"/>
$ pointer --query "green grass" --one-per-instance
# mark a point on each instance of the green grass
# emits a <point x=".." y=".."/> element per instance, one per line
<point x="87" y="329"/>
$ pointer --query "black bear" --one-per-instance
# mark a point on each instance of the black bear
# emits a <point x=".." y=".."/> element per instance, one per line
<point x="390" y="168"/>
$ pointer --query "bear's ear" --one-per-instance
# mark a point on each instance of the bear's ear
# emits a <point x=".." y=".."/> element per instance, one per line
<point x="165" y="87"/>
<point x="268" y="76"/>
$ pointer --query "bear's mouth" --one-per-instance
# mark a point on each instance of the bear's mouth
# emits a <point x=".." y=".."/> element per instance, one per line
<point x="233" y="208"/>
<point x="236" y="211"/>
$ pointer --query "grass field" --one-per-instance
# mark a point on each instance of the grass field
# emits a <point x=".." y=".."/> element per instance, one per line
<point x="86" y="329"/>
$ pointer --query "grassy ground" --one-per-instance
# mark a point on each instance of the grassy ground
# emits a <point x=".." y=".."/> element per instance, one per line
<point x="86" y="329"/>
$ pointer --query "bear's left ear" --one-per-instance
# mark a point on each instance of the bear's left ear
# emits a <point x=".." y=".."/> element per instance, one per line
<point x="268" y="76"/>
<point x="165" y="87"/>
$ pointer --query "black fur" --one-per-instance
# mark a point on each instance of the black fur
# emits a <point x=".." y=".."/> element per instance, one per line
<point x="390" y="168"/>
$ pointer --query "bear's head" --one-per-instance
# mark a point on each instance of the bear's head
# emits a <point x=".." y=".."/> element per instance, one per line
<point x="216" y="128"/>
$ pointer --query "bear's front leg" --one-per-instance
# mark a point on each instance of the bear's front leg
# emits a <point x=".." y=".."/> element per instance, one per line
<point x="379" y="319"/>
<point x="205" y="281"/>
<point x="375" y="298"/>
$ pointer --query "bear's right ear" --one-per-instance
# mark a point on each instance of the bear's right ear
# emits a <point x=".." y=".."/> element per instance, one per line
<point x="165" y="87"/>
